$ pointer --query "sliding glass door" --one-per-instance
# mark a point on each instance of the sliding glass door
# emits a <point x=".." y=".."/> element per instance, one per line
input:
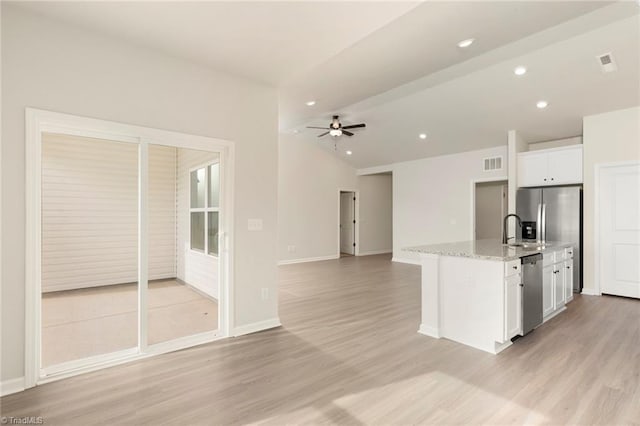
<point x="130" y="242"/>
<point x="183" y="296"/>
<point x="89" y="290"/>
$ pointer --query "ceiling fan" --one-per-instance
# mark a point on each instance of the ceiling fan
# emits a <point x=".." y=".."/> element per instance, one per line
<point x="336" y="128"/>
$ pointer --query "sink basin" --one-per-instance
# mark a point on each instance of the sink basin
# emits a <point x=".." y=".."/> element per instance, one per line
<point x="527" y="246"/>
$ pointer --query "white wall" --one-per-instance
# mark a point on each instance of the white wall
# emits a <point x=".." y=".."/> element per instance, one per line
<point x="432" y="198"/>
<point x="556" y="143"/>
<point x="607" y="138"/>
<point x="54" y="66"/>
<point x="515" y="145"/>
<point x="90" y="212"/>
<point x="376" y="217"/>
<point x="309" y="183"/>
<point x="197" y="269"/>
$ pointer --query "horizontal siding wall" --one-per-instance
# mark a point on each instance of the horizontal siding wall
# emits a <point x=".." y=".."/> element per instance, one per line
<point x="162" y="212"/>
<point x="90" y="212"/>
<point x="195" y="268"/>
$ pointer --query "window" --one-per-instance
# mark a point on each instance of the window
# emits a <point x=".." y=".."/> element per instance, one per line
<point x="205" y="208"/>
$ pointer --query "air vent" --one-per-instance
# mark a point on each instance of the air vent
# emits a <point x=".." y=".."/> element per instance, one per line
<point x="494" y="163"/>
<point x="607" y="63"/>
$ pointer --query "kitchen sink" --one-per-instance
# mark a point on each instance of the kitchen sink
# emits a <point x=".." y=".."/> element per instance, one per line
<point x="527" y="246"/>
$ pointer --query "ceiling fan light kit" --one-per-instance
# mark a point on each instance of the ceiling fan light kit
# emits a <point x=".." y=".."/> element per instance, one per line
<point x="336" y="128"/>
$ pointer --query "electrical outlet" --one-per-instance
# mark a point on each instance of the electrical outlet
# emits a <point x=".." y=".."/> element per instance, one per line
<point x="291" y="249"/>
<point x="265" y="293"/>
<point x="254" y="225"/>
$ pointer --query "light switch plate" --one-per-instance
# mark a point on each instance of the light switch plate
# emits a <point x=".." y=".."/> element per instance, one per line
<point x="254" y="225"/>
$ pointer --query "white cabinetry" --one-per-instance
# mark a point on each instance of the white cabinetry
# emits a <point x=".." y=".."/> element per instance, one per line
<point x="558" y="295"/>
<point x="513" y="306"/>
<point x="557" y="166"/>
<point x="548" y="288"/>
<point x="533" y="168"/>
<point x="557" y="281"/>
<point x="568" y="275"/>
<point x="473" y="301"/>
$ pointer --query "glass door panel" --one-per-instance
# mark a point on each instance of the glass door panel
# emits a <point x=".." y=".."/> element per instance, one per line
<point x="183" y="289"/>
<point x="89" y="281"/>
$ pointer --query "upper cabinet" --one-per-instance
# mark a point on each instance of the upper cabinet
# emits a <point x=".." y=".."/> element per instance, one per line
<point x="557" y="166"/>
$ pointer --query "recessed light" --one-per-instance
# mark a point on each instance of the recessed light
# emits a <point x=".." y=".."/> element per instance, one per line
<point x="422" y="135"/>
<point x="542" y="104"/>
<point x="520" y="70"/>
<point x="310" y="103"/>
<point x="466" y="43"/>
<point x="349" y="152"/>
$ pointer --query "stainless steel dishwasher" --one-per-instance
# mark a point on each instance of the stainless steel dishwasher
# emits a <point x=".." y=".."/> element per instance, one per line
<point x="531" y="292"/>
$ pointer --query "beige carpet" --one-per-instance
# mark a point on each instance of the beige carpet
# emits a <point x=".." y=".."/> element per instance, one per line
<point x="80" y="323"/>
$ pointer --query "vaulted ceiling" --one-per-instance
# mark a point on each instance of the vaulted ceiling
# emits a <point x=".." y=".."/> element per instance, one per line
<point x="396" y="65"/>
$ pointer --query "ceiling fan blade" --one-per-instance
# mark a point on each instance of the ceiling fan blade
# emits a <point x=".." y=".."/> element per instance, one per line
<point x="323" y="128"/>
<point x="323" y="134"/>
<point x="346" y="132"/>
<point x="354" y="126"/>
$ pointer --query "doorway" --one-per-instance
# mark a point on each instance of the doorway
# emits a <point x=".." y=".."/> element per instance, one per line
<point x="618" y="229"/>
<point x="128" y="241"/>
<point x="490" y="206"/>
<point x="347" y="223"/>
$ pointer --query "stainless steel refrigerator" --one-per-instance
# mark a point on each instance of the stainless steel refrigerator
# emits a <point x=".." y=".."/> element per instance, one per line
<point x="553" y="214"/>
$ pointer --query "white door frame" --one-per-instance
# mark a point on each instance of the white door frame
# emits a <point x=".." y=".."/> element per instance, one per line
<point x="597" y="231"/>
<point x="473" y="198"/>
<point x="39" y="121"/>
<point x="356" y="214"/>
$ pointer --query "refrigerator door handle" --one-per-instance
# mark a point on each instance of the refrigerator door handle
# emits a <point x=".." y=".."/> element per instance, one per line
<point x="539" y="224"/>
<point x="543" y="231"/>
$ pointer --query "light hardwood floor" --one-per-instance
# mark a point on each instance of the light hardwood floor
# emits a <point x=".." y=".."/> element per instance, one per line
<point x="349" y="353"/>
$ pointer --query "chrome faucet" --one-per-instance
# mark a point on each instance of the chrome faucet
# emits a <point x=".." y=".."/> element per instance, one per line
<point x="504" y="226"/>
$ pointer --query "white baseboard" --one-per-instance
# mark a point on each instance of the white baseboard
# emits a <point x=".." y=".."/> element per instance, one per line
<point x="7" y="387"/>
<point x="256" y="326"/>
<point x="308" y="259"/>
<point x="590" y="292"/>
<point x="372" y="252"/>
<point x="409" y="261"/>
<point x="429" y="331"/>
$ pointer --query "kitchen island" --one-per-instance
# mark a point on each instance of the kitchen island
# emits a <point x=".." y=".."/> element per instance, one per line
<point x="472" y="293"/>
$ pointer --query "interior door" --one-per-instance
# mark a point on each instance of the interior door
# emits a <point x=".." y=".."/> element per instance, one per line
<point x="347" y="218"/>
<point x="619" y="224"/>
<point x="490" y="209"/>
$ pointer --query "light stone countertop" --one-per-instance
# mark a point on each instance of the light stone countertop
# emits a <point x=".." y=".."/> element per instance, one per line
<point x="485" y="249"/>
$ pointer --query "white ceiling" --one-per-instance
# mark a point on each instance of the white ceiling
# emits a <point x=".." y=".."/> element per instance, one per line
<point x="472" y="105"/>
<point x="264" y="41"/>
<point x="477" y="110"/>
<point x="416" y="44"/>
<point x="395" y="64"/>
